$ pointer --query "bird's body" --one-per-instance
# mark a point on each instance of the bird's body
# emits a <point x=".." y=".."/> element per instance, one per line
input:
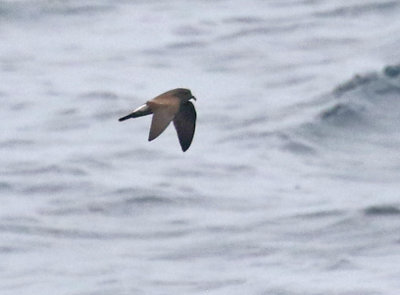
<point x="173" y="105"/>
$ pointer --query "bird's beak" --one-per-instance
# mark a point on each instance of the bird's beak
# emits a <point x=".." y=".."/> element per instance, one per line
<point x="194" y="98"/>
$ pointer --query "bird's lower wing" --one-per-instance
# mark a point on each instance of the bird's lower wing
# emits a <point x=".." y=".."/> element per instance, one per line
<point x="185" y="124"/>
<point x="161" y="119"/>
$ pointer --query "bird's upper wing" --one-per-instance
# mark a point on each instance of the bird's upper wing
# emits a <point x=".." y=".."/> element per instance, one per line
<point x="185" y="124"/>
<point x="164" y="110"/>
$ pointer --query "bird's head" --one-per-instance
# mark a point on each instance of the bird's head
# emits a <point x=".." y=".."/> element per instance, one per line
<point x="184" y="94"/>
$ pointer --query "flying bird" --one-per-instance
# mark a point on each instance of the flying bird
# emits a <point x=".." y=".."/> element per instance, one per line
<point x="173" y="105"/>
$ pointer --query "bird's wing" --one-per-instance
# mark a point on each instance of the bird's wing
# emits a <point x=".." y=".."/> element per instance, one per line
<point x="164" y="110"/>
<point x="185" y="124"/>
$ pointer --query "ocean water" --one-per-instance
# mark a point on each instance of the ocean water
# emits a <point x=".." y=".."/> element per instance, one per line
<point x="291" y="185"/>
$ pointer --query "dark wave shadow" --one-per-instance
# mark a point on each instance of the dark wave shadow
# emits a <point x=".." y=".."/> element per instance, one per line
<point x="382" y="210"/>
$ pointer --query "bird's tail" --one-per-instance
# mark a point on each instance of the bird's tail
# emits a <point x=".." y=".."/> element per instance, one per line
<point x="139" y="112"/>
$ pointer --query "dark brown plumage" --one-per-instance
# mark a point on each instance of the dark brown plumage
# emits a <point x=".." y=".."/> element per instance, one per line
<point x="173" y="105"/>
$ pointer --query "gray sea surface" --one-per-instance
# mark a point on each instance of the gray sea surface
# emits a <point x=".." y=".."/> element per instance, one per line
<point x="291" y="185"/>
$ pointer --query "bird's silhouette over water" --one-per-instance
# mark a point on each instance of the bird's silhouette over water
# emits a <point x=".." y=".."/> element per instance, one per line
<point x="173" y="105"/>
